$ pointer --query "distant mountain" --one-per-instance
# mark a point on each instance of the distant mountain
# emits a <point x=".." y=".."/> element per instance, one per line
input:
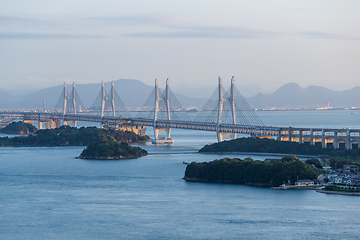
<point x="6" y="100"/>
<point x="291" y="95"/>
<point x="132" y="92"/>
<point x="35" y="100"/>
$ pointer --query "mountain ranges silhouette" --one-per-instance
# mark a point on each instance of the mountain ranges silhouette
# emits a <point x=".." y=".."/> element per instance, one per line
<point x="134" y="93"/>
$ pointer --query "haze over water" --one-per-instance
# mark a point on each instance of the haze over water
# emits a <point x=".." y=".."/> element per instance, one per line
<point x="48" y="194"/>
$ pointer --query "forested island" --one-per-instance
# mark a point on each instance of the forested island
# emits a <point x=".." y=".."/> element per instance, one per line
<point x="101" y="143"/>
<point x="18" y="128"/>
<point x="111" y="150"/>
<point x="251" y="172"/>
<point x="265" y="145"/>
<point x="71" y="136"/>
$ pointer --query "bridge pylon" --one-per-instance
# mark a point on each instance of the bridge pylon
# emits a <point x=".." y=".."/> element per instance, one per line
<point x="108" y="104"/>
<point x="72" y="97"/>
<point x="231" y="100"/>
<point x="67" y="103"/>
<point x="156" y="110"/>
<point x="228" y="110"/>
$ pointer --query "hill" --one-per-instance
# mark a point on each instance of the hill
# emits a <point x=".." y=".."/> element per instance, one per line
<point x="250" y="172"/>
<point x="111" y="150"/>
<point x="291" y="95"/>
<point x="6" y="100"/>
<point x="132" y="92"/>
<point x="70" y="136"/>
<point x="273" y="146"/>
<point x="18" y="128"/>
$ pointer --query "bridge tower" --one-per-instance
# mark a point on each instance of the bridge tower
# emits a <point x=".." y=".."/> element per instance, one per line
<point x="103" y="98"/>
<point x="112" y="95"/>
<point x="66" y="98"/>
<point x="220" y="135"/>
<point x="67" y="104"/>
<point x="156" y="110"/>
<point x="232" y="103"/>
<point x="72" y="97"/>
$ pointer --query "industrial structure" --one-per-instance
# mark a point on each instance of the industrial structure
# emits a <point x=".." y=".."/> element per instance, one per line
<point x="226" y="113"/>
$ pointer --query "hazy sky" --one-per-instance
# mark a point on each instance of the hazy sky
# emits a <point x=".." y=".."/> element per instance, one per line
<point x="263" y="43"/>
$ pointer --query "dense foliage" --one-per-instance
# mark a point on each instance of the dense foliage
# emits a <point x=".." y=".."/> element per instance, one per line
<point x="71" y="136"/>
<point x="249" y="171"/>
<point x="111" y="150"/>
<point x="315" y="162"/>
<point x="338" y="162"/>
<point x="273" y="146"/>
<point x="19" y="128"/>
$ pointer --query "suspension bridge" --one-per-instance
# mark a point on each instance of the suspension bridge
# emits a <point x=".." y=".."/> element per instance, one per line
<point x="226" y="112"/>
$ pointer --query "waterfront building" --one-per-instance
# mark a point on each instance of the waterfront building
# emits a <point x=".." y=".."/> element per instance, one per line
<point x="305" y="182"/>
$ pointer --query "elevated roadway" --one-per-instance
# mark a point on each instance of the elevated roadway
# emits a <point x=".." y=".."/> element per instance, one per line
<point x="346" y="136"/>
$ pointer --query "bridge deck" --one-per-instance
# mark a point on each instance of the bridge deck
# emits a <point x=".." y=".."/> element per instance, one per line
<point x="231" y="128"/>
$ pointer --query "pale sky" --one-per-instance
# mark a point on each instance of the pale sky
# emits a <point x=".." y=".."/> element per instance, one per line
<point x="263" y="43"/>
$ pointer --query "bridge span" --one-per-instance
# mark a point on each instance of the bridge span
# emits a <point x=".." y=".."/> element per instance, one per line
<point x="229" y="115"/>
<point x="349" y="137"/>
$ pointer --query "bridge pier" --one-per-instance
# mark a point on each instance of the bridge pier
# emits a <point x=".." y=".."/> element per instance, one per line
<point x="291" y="133"/>
<point x="221" y="135"/>
<point x="41" y="122"/>
<point x="324" y="136"/>
<point x="336" y="140"/>
<point x="55" y="123"/>
<point x="348" y="140"/>
<point x="311" y="136"/>
<point x="139" y="130"/>
<point x="323" y="139"/>
<point x="66" y="122"/>
<point x="279" y="135"/>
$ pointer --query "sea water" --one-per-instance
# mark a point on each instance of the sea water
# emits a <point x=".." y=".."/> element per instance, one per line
<point x="45" y="193"/>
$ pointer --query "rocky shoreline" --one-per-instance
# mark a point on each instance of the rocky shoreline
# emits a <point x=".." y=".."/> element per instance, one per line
<point x="340" y="193"/>
<point x="108" y="158"/>
<point x="219" y="181"/>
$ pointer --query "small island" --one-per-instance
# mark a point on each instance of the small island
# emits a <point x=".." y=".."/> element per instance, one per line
<point x="111" y="150"/>
<point x="18" y="128"/>
<point x="251" y="172"/>
<point x="71" y="136"/>
<point x="264" y="145"/>
<point x="101" y="143"/>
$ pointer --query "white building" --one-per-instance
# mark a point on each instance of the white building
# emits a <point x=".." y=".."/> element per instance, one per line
<point x="305" y="182"/>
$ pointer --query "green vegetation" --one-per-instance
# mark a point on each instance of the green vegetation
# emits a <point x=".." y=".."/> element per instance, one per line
<point x="19" y="128"/>
<point x="249" y="171"/>
<point x="111" y="150"/>
<point x="339" y="188"/>
<point x="273" y="146"/>
<point x="315" y="162"/>
<point x="338" y="162"/>
<point x="71" y="136"/>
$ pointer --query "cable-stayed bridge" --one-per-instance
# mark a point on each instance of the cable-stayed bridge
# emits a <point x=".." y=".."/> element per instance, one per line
<point x="226" y="113"/>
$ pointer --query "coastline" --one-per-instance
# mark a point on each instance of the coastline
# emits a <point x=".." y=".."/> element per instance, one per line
<point x="108" y="158"/>
<point x="340" y="193"/>
<point x="262" y="154"/>
<point x="220" y="181"/>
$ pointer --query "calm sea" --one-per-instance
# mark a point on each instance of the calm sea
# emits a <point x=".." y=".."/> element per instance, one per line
<point x="45" y="193"/>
